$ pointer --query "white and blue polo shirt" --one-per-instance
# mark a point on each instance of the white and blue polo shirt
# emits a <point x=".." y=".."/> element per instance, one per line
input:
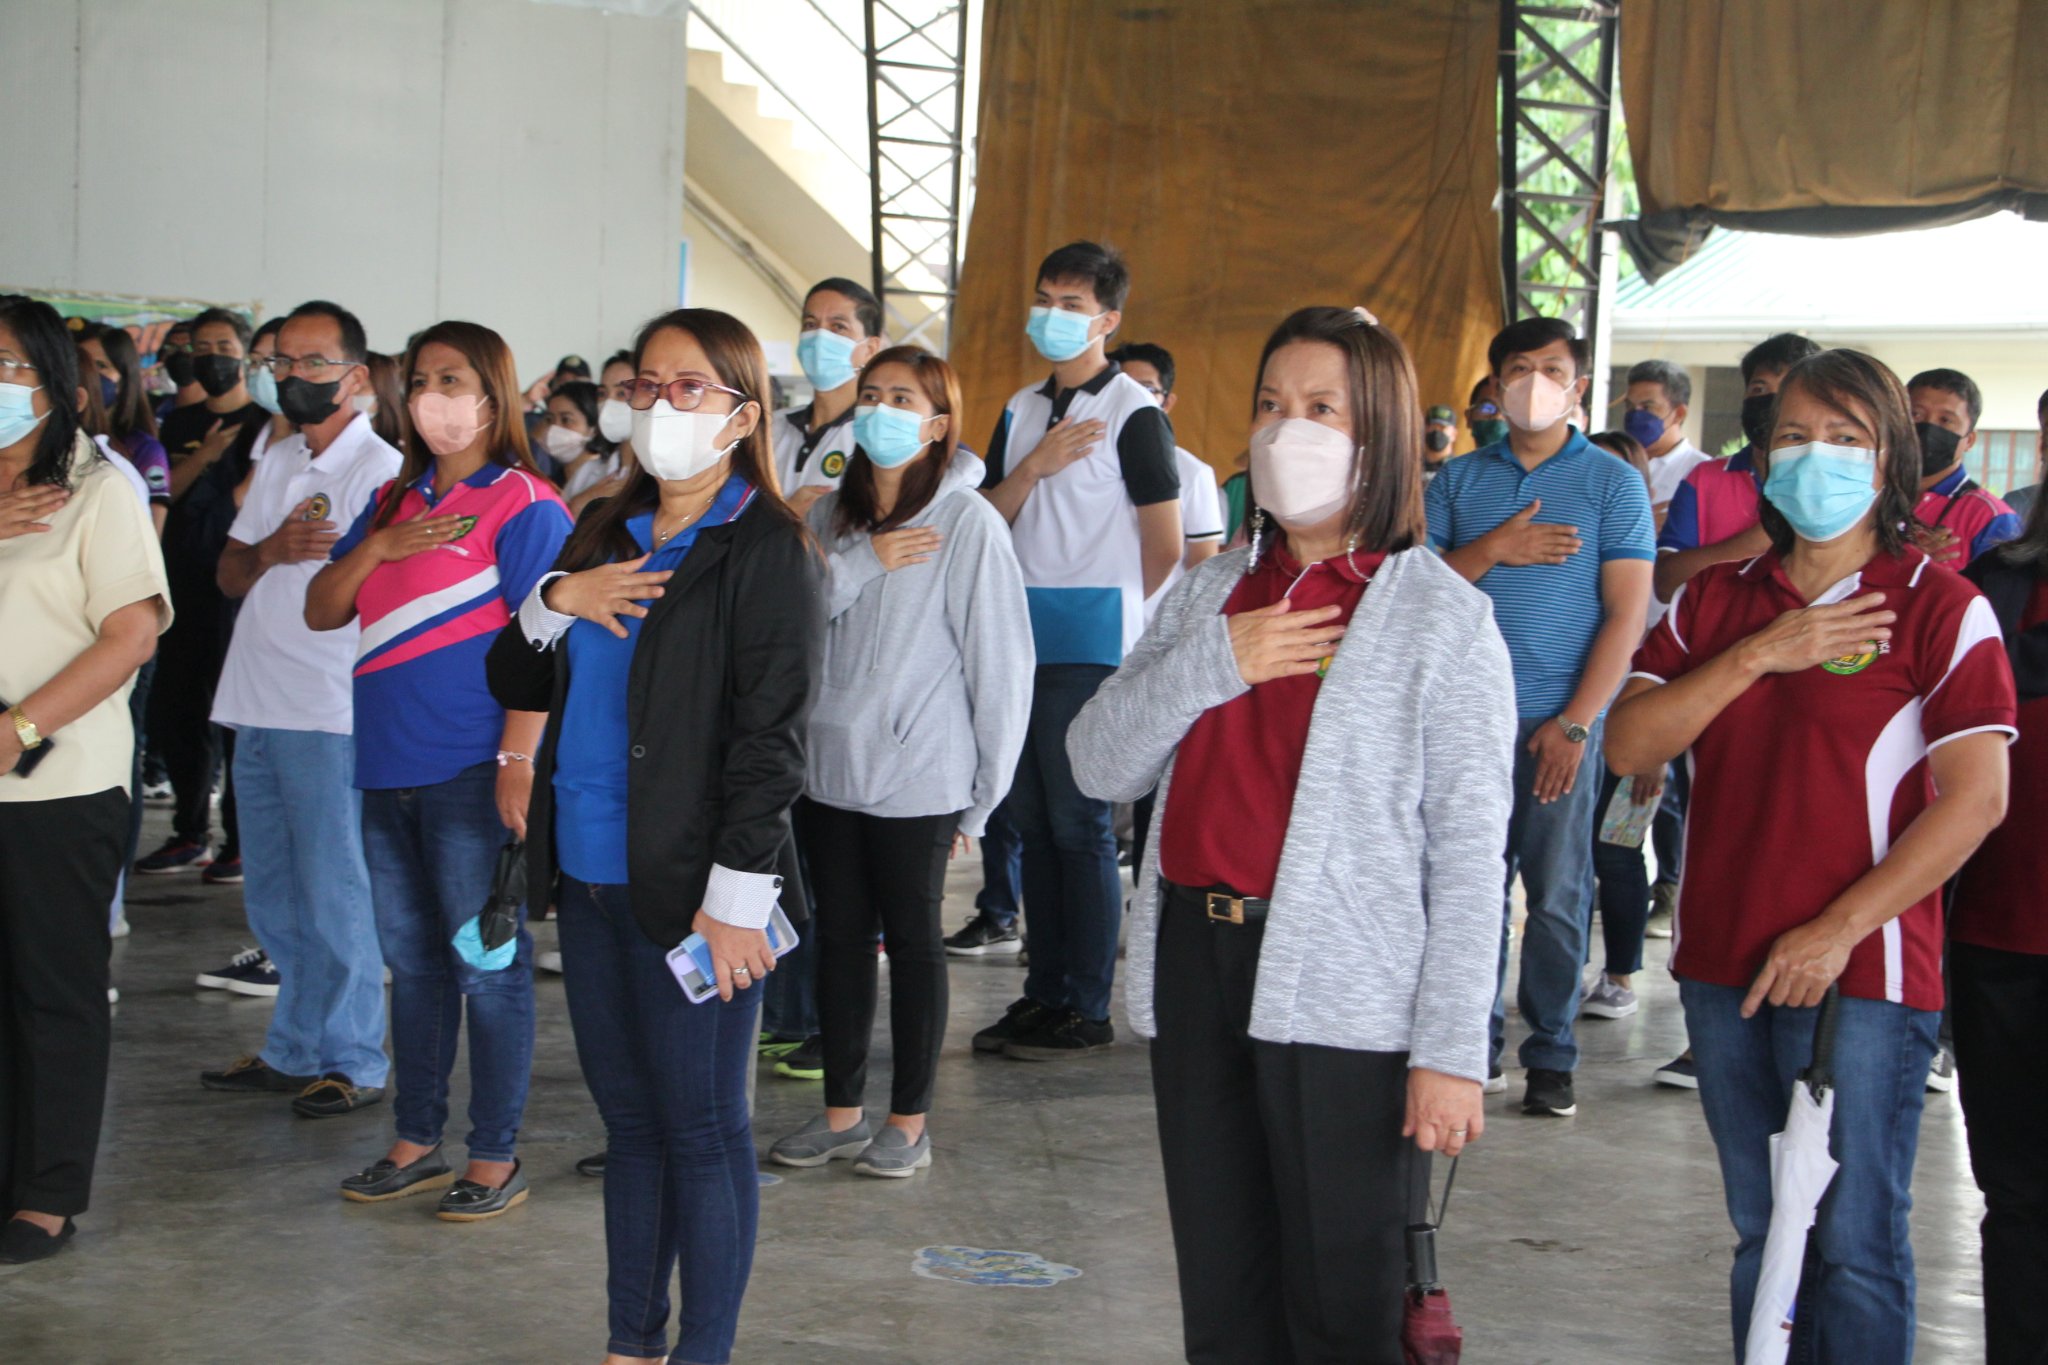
<point x="1077" y="535"/>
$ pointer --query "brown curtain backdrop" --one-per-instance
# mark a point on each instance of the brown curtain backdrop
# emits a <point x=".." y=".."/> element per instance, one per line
<point x="1841" y="117"/>
<point x="1248" y="157"/>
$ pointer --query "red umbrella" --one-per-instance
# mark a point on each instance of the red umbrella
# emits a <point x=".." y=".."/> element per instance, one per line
<point x="1429" y="1334"/>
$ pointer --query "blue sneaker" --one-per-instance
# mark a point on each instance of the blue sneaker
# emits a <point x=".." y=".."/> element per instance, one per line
<point x="176" y="855"/>
<point x="251" y="972"/>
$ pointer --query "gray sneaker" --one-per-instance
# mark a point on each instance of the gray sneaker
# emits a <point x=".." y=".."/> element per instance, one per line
<point x="816" y="1143"/>
<point x="1663" y="900"/>
<point x="1608" y="1001"/>
<point x="894" y="1154"/>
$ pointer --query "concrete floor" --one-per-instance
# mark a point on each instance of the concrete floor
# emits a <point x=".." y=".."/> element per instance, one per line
<point x="217" y="1236"/>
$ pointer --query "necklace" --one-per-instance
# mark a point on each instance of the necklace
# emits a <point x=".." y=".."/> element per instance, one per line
<point x="662" y="537"/>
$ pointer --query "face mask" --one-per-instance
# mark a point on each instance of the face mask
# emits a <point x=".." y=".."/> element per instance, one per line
<point x="146" y="361"/>
<point x="1937" y="447"/>
<point x="614" y="420"/>
<point x="217" y="374"/>
<point x="678" y="445"/>
<point x="889" y="436"/>
<point x="263" y="388"/>
<point x="563" y="443"/>
<point x="1822" y="489"/>
<point x="109" y="390"/>
<point x="1489" y="431"/>
<point x="826" y="357"/>
<point x="1536" y="402"/>
<point x="1646" y="427"/>
<point x="178" y="365"/>
<point x="1058" y="334"/>
<point x="469" y="946"/>
<point x="448" y="423"/>
<point x="18" y="416"/>
<point x="307" y="403"/>
<point x="1436" y="439"/>
<point x="1301" y="471"/>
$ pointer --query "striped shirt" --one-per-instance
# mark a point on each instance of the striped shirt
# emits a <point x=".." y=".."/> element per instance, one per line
<point x="1549" y="614"/>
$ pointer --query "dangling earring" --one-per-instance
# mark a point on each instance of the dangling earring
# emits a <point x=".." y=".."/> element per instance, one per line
<point x="1350" y="549"/>
<point x="1258" y="538"/>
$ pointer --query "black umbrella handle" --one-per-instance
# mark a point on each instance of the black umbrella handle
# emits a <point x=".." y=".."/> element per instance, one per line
<point x="1820" y="1073"/>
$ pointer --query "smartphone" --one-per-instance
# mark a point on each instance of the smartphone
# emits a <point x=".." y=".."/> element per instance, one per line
<point x="690" y="960"/>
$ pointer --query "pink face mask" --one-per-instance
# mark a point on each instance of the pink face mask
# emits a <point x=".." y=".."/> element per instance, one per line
<point x="1536" y="402"/>
<point x="447" y="423"/>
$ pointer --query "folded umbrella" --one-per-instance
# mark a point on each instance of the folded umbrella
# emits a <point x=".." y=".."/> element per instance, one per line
<point x="1429" y="1334"/>
<point x="1801" y="1169"/>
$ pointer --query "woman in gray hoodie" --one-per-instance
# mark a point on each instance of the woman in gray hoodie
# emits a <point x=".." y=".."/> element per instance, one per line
<point x="915" y="735"/>
<point x="1329" y="715"/>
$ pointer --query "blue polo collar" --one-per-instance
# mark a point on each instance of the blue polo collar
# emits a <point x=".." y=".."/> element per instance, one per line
<point x="1575" y="444"/>
<point x="484" y="477"/>
<point x="1948" y="486"/>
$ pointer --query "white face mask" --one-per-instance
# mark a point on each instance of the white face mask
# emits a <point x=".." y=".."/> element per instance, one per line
<point x="1301" y="471"/>
<point x="563" y="443"/>
<point x="614" y="420"/>
<point x="1536" y="402"/>
<point x="678" y="445"/>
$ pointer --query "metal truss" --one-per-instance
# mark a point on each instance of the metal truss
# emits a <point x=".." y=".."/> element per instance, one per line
<point x="917" y="101"/>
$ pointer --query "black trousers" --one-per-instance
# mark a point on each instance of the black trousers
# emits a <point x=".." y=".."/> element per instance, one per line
<point x="182" y="732"/>
<point x="2001" y="1018"/>
<point x="1287" y="1178"/>
<point x="867" y="873"/>
<point x="58" y="864"/>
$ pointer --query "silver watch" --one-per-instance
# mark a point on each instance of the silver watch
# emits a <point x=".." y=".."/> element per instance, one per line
<point x="1573" y="731"/>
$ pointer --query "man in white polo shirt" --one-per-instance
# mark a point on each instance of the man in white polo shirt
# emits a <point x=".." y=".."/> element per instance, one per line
<point x="842" y="331"/>
<point x="1083" y="469"/>
<point x="286" y="692"/>
<point x="1658" y="397"/>
<point x="1201" y="501"/>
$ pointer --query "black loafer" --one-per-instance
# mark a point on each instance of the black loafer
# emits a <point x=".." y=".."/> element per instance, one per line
<point x="22" y="1241"/>
<point x="334" y="1094"/>
<point x="387" y="1179"/>
<point x="252" y="1076"/>
<point x="592" y="1166"/>
<point x="469" y="1202"/>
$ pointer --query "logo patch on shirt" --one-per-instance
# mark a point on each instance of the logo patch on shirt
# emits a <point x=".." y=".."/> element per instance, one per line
<point x="463" y="528"/>
<point x="1856" y="663"/>
<point x="318" y="507"/>
<point x="834" y="465"/>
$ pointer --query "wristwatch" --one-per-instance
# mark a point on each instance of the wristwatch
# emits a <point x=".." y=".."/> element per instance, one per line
<point x="31" y="738"/>
<point x="1573" y="731"/>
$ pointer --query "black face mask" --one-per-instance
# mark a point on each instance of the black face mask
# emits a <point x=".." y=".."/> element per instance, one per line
<point x="1756" y="414"/>
<point x="178" y="365"/>
<point x="217" y="374"/>
<point x="1937" y="447"/>
<point x="307" y="403"/>
<point x="1437" y="440"/>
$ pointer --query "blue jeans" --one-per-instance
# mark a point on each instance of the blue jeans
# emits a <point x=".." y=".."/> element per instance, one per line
<point x="1667" y="830"/>
<point x="670" y="1080"/>
<point x="1552" y="848"/>
<point x="1001" y="897"/>
<point x="432" y="852"/>
<point x="789" y="997"/>
<point x="307" y="895"/>
<point x="1073" y="899"/>
<point x="1856" y="1302"/>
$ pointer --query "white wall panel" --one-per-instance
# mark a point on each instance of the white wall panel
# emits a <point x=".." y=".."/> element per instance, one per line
<point x="39" y="72"/>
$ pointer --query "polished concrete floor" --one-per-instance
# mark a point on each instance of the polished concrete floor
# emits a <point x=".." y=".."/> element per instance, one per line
<point x="216" y="1234"/>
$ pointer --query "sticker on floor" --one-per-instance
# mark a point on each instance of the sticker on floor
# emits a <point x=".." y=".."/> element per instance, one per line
<point x="992" y="1269"/>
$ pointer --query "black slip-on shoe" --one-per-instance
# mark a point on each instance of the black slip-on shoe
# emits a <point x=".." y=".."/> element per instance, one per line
<point x="1025" y="1015"/>
<point x="1549" y="1094"/>
<point x="387" y="1179"/>
<point x="1064" y="1035"/>
<point x="252" y="1076"/>
<point x="592" y="1166"/>
<point x="470" y="1202"/>
<point x="334" y="1094"/>
<point x="22" y="1242"/>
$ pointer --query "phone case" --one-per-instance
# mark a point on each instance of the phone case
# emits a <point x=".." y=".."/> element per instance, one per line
<point x="690" y="961"/>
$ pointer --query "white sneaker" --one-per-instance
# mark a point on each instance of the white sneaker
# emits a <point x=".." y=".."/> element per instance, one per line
<point x="1608" y="1001"/>
<point x="113" y="995"/>
<point x="550" y="961"/>
<point x="121" y="928"/>
<point x="1496" y="1083"/>
<point x="1941" y="1076"/>
<point x="1663" y="899"/>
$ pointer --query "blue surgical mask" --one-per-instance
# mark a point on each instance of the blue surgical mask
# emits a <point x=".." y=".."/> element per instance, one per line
<point x="263" y="388"/>
<point x="1646" y="427"/>
<point x="827" y="358"/>
<point x="469" y="946"/>
<point x="109" y="390"/>
<point x="18" y="415"/>
<point x="1822" y="489"/>
<point x="1058" y="334"/>
<point x="889" y="436"/>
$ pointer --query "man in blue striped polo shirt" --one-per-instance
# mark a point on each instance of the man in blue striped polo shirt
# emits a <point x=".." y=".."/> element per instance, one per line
<point x="1559" y="534"/>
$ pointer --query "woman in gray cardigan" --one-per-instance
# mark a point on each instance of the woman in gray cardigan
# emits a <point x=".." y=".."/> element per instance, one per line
<point x="1329" y="716"/>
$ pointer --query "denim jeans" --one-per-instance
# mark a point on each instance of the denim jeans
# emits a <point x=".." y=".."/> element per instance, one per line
<point x="1856" y="1301"/>
<point x="1667" y="830"/>
<point x="789" y="997"/>
<point x="1624" y="890"/>
<point x="1073" y="898"/>
<point x="307" y="895"/>
<point x="1552" y="848"/>
<point x="670" y="1080"/>
<point x="432" y="852"/>
<point x="1001" y="897"/>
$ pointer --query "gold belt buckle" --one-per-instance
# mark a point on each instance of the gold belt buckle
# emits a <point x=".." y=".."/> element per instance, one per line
<point x="1232" y="911"/>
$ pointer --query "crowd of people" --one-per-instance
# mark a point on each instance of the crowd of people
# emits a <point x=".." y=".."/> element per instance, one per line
<point x="725" y="689"/>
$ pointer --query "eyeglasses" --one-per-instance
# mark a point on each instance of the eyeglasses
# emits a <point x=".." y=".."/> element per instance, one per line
<point x="1482" y="410"/>
<point x="313" y="367"/>
<point x="683" y="394"/>
<point x="10" y="368"/>
<point x="255" y="364"/>
<point x="177" y="347"/>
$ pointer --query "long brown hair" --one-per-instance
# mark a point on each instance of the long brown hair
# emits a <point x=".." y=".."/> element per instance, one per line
<point x="1386" y="513"/>
<point x="857" y="499"/>
<point x="1847" y="380"/>
<point x="491" y="358"/>
<point x="601" y="536"/>
<point x="132" y="412"/>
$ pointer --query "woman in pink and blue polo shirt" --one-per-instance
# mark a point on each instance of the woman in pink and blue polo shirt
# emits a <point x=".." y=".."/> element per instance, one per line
<point x="434" y="567"/>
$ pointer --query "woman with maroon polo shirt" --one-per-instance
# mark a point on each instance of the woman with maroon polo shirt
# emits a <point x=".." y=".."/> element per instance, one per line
<point x="1844" y="713"/>
<point x="1314" y="938"/>
<point x="1998" y="971"/>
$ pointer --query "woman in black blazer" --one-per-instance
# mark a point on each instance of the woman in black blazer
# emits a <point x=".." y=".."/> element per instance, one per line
<point x="675" y="650"/>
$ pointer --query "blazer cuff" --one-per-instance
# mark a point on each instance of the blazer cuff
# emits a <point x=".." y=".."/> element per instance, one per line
<point x="541" y="625"/>
<point x="742" y="899"/>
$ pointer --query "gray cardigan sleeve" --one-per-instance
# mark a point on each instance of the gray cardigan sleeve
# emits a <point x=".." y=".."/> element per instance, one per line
<point x="986" y="606"/>
<point x="1467" y="798"/>
<point x="854" y="565"/>
<point x="1184" y="665"/>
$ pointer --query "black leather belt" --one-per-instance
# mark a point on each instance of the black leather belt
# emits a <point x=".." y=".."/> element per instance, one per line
<point x="1220" y="903"/>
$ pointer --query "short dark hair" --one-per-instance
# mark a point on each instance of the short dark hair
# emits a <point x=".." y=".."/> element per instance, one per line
<point x="1485" y="382"/>
<point x="177" y="325"/>
<point x="1673" y="379"/>
<point x="46" y="343"/>
<point x="354" y="344"/>
<point x="867" y="309"/>
<point x="1148" y="353"/>
<point x="1533" y="334"/>
<point x="270" y="328"/>
<point x="226" y="318"/>
<point x="1777" y="354"/>
<point x="1102" y="266"/>
<point x="1847" y="380"/>
<point x="1951" y="382"/>
<point x="573" y="364"/>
